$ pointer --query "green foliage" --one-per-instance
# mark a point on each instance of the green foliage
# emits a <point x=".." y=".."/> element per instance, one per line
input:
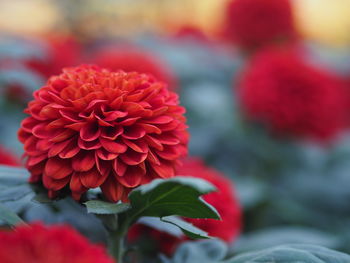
<point x="204" y="251"/>
<point x="105" y="208"/>
<point x="187" y="228"/>
<point x="15" y="192"/>
<point x="293" y="254"/>
<point x="164" y="199"/>
<point x="274" y="236"/>
<point x="214" y="251"/>
<point x="176" y="196"/>
<point x="9" y="217"/>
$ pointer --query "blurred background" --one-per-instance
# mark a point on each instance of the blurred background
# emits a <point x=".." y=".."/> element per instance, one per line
<point x="266" y="84"/>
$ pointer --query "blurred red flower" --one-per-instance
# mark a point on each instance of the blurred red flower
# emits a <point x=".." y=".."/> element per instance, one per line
<point x="254" y="23"/>
<point x="133" y="59"/>
<point x="54" y="244"/>
<point x="292" y="97"/>
<point x="192" y="32"/>
<point x="58" y="52"/>
<point x="224" y="200"/>
<point x="7" y="158"/>
<point x="90" y="127"/>
<point x="61" y="52"/>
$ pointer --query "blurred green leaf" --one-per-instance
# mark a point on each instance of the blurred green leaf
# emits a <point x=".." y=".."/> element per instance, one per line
<point x="9" y="217"/>
<point x="41" y="198"/>
<point x="13" y="193"/>
<point x="270" y="237"/>
<point x="291" y="254"/>
<point x="204" y="251"/>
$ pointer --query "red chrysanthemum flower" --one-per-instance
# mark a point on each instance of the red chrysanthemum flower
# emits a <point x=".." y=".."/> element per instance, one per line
<point x="224" y="200"/>
<point x="254" y="23"/>
<point x="60" y="52"/>
<point x="90" y="127"/>
<point x="133" y="59"/>
<point x="54" y="244"/>
<point x="7" y="158"/>
<point x="292" y="97"/>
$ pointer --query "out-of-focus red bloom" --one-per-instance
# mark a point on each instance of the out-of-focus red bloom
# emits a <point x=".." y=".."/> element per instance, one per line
<point x="54" y="244"/>
<point x="189" y="31"/>
<point x="7" y="158"/>
<point x="17" y="94"/>
<point x="254" y="23"/>
<point x="90" y="127"/>
<point x="292" y="97"/>
<point x="224" y="200"/>
<point x="133" y="59"/>
<point x="58" y="52"/>
<point x="346" y="82"/>
<point x="61" y="52"/>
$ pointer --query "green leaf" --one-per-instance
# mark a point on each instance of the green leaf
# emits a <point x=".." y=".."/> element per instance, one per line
<point x="293" y="254"/>
<point x="204" y="251"/>
<point x="158" y="224"/>
<point x="12" y="175"/>
<point x="9" y="217"/>
<point x="13" y="193"/>
<point x="187" y="228"/>
<point x="41" y="198"/>
<point x="274" y="236"/>
<point x="174" y="226"/>
<point x="176" y="196"/>
<point x="105" y="208"/>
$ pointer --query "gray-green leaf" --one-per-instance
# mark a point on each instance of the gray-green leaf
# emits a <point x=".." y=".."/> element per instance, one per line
<point x="204" y="251"/>
<point x="9" y="217"/>
<point x="105" y="208"/>
<point x="187" y="228"/>
<point x="293" y="254"/>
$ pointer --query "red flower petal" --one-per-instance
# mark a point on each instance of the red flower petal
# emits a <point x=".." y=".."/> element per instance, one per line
<point x="57" y="168"/>
<point x="113" y="146"/>
<point x="132" y="157"/>
<point x="111" y="132"/>
<point x="164" y="170"/>
<point x="76" y="186"/>
<point x="83" y="161"/>
<point x="70" y="151"/>
<point x="153" y="142"/>
<point x="58" y="147"/>
<point x="160" y="120"/>
<point x="53" y="184"/>
<point x="132" y="177"/>
<point x="92" y="178"/>
<point x="106" y="155"/>
<point x="119" y="167"/>
<point x="112" y="189"/>
<point x="89" y="145"/>
<point x="90" y="132"/>
<point x="137" y="146"/>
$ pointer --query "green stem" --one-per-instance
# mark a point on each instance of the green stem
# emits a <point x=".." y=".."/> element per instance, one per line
<point x="116" y="246"/>
<point x="116" y="242"/>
